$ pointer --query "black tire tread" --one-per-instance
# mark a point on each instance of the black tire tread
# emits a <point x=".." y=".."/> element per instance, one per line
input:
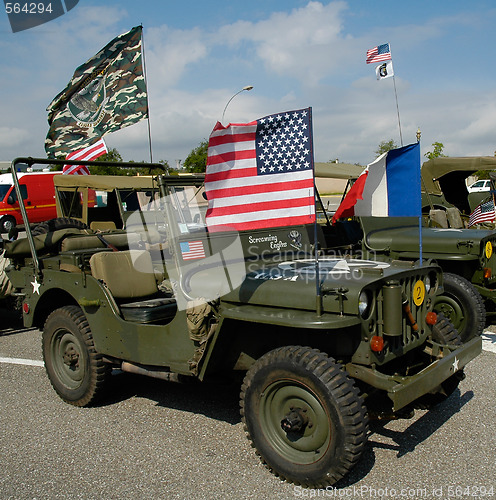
<point x="100" y="371"/>
<point x="351" y="406"/>
<point x="471" y="300"/>
<point x="56" y="224"/>
<point x="444" y="332"/>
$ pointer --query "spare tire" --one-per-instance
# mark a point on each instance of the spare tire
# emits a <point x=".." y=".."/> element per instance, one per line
<point x="56" y="224"/>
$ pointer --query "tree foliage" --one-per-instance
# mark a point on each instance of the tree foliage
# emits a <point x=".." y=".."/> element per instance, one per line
<point x="196" y="162"/>
<point x="384" y="147"/>
<point x="437" y="151"/>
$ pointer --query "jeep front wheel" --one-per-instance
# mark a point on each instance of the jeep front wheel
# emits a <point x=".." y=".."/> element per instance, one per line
<point x="76" y="371"/>
<point x="304" y="416"/>
<point x="462" y="304"/>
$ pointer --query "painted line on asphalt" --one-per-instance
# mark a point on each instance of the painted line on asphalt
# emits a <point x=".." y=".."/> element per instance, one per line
<point x="488" y="341"/>
<point x="488" y="344"/>
<point x="19" y="361"/>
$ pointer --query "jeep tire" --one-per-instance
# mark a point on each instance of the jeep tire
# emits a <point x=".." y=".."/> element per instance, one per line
<point x="462" y="304"/>
<point x="76" y="371"/>
<point x="303" y="415"/>
<point x="56" y="224"/>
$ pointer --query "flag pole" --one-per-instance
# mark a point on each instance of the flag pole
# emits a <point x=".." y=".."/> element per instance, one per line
<point x="146" y="86"/>
<point x="420" y="189"/>
<point x="397" y="110"/>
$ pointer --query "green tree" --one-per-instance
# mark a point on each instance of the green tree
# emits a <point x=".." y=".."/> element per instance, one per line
<point x="384" y="147"/>
<point x="112" y="155"/>
<point x="437" y="152"/>
<point x="196" y="162"/>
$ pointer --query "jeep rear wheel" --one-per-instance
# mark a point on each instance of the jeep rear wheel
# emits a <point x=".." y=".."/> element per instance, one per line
<point x="76" y="371"/>
<point x="303" y="415"/>
<point x="462" y="304"/>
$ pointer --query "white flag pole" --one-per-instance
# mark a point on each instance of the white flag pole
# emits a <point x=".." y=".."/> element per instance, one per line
<point x="397" y="110"/>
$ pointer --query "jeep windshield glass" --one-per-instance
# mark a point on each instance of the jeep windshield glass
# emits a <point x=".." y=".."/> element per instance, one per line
<point x="189" y="208"/>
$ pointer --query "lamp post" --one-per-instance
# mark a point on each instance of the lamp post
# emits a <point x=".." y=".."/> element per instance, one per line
<point x="247" y="88"/>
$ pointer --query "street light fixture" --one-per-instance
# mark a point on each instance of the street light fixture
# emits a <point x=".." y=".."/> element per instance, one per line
<point x="247" y="88"/>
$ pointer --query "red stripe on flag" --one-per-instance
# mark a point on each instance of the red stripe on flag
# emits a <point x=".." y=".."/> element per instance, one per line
<point x="267" y="223"/>
<point x="259" y="207"/>
<point x="89" y="153"/>
<point x="228" y="192"/>
<point x="228" y="138"/>
<point x="232" y="156"/>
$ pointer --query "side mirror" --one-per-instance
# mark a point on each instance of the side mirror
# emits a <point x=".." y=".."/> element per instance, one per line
<point x="10" y="200"/>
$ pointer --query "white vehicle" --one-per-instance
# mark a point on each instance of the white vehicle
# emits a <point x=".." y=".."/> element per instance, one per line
<point x="479" y="186"/>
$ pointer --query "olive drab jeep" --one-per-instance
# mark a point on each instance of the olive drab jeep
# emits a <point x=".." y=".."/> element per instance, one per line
<point x="323" y="343"/>
<point x="465" y="255"/>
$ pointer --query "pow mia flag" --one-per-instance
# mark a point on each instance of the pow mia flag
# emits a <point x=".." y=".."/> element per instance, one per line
<point x="384" y="70"/>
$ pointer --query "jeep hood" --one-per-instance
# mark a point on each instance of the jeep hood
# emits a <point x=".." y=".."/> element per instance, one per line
<point x="435" y="241"/>
<point x="292" y="284"/>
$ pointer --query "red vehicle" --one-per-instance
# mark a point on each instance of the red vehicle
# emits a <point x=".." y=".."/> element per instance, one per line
<point x="38" y="194"/>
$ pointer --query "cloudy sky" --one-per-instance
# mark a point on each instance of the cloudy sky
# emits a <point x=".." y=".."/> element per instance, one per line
<point x="295" y="53"/>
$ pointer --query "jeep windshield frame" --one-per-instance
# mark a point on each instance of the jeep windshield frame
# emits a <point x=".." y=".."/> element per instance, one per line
<point x="30" y="161"/>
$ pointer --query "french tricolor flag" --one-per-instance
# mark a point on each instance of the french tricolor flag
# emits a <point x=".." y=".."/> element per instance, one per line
<point x="388" y="187"/>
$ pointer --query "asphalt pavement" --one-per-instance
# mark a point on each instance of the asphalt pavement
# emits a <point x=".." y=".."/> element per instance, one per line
<point x="162" y="440"/>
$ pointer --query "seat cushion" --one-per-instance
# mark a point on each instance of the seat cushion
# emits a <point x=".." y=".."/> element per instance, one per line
<point x="149" y="311"/>
<point x="127" y="274"/>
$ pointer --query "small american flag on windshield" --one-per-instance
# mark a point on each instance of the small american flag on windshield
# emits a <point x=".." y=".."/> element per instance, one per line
<point x="192" y="250"/>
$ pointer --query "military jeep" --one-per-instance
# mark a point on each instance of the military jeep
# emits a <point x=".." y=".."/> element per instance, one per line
<point x="465" y="255"/>
<point x="323" y="343"/>
<point x="446" y="201"/>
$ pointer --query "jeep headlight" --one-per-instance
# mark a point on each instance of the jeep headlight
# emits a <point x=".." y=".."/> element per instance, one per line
<point x="427" y="283"/>
<point x="363" y="303"/>
<point x="430" y="282"/>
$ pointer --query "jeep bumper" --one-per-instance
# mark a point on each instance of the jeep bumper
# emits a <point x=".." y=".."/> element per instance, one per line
<point x="404" y="390"/>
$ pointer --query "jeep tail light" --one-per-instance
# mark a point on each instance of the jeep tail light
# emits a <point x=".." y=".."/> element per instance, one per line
<point x="431" y="318"/>
<point x="25" y="308"/>
<point x="487" y="273"/>
<point x="377" y="343"/>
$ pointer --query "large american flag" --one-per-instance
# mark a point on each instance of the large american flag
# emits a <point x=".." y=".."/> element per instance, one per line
<point x="260" y="174"/>
<point x="90" y="153"/>
<point x="379" y="54"/>
<point x="482" y="213"/>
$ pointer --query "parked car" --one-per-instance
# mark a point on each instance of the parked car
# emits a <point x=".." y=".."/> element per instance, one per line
<point x="479" y="186"/>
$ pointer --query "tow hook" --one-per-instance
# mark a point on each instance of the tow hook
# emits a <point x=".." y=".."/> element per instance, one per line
<point x="295" y="420"/>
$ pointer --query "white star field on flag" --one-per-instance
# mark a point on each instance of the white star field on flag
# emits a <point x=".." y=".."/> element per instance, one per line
<point x="282" y="143"/>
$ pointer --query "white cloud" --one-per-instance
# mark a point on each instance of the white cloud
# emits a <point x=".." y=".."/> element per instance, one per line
<point x="170" y="51"/>
<point x="305" y="43"/>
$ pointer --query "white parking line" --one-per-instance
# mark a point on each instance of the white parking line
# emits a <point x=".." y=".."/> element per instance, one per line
<point x="19" y="361"/>
<point x="488" y="341"/>
<point x="488" y="344"/>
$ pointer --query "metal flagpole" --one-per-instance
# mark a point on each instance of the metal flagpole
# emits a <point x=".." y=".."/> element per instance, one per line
<point x="397" y="110"/>
<point x="146" y="86"/>
<point x="420" y="215"/>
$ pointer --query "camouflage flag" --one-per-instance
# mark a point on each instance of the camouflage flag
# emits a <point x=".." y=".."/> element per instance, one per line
<point x="106" y="93"/>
